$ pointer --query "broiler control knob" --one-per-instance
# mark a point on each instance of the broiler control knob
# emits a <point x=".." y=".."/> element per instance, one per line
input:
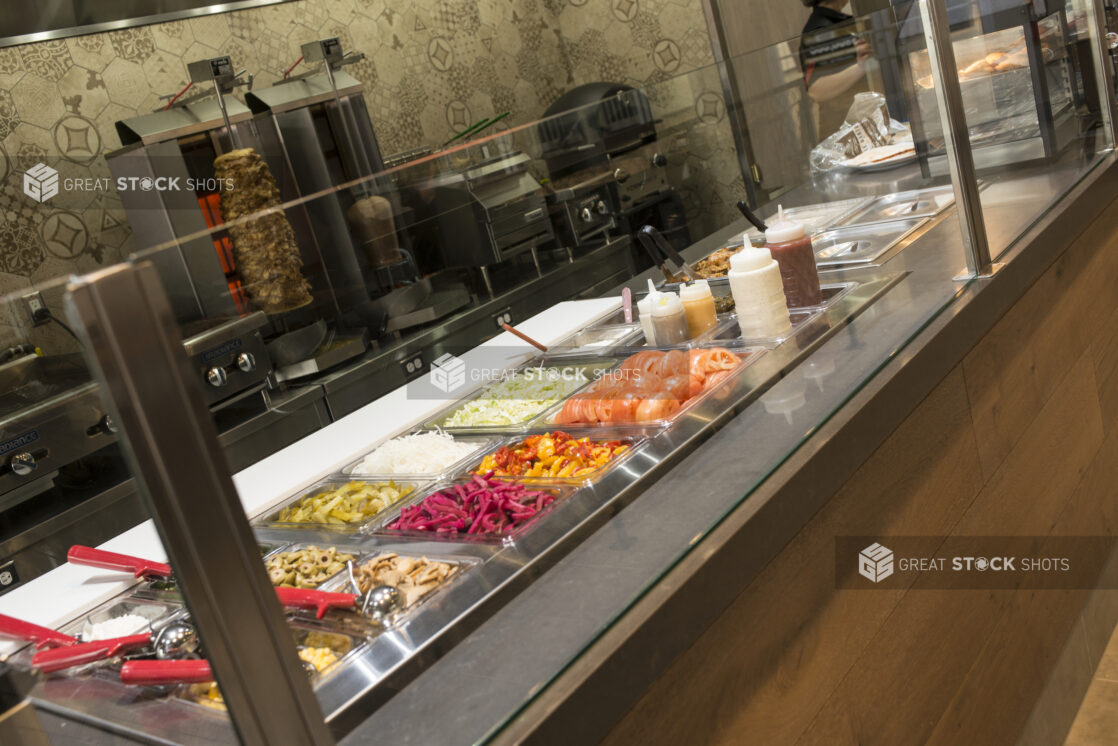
<point x="246" y="361"/>
<point x="602" y="207"/>
<point x="659" y="160"/>
<point x="586" y="215"/>
<point x="23" y="464"/>
<point x="217" y="377"/>
<point x="621" y="175"/>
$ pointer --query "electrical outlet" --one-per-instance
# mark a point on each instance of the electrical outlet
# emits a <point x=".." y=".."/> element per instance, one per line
<point x="36" y="308"/>
<point x="412" y="366"/>
<point x="504" y="316"/>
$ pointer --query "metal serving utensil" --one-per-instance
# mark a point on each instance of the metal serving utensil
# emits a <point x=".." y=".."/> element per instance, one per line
<point x="384" y="599"/>
<point x="176" y="640"/>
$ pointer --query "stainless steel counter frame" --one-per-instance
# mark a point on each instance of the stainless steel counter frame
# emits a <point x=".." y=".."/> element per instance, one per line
<point x="594" y="599"/>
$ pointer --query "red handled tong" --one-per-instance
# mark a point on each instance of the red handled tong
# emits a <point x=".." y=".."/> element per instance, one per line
<point x="140" y="568"/>
<point x="295" y="598"/>
<point x="78" y="654"/>
<point x="320" y="601"/>
<point x="42" y="637"/>
<point x="159" y="673"/>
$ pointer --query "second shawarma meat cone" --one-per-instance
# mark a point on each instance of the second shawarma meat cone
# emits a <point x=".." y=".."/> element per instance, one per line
<point x="264" y="247"/>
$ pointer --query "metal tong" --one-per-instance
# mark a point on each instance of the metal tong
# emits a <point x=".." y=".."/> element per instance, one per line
<point x="663" y="254"/>
<point x="41" y="637"/>
<point x="83" y="653"/>
<point x="320" y="601"/>
<point x="297" y="598"/>
<point x="140" y="568"/>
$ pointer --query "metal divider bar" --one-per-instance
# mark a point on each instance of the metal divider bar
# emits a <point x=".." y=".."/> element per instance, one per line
<point x="135" y="350"/>
<point x="1100" y="54"/>
<point x="960" y="159"/>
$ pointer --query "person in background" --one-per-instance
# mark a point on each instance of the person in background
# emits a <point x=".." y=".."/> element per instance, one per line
<point x="833" y="61"/>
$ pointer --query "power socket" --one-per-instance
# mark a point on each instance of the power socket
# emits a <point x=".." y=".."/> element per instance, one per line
<point x="36" y="308"/>
<point x="504" y="316"/>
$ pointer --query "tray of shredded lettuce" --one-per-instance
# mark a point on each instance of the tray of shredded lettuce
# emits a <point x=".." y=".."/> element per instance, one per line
<point x="517" y="398"/>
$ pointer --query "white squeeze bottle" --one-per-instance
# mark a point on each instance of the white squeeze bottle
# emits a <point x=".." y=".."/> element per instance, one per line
<point x="669" y="320"/>
<point x="644" y="314"/>
<point x="758" y="294"/>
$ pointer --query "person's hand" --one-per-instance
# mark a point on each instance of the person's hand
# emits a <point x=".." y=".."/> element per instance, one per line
<point x="864" y="51"/>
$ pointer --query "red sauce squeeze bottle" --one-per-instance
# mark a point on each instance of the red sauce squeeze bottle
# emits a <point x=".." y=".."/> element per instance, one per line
<point x="791" y="247"/>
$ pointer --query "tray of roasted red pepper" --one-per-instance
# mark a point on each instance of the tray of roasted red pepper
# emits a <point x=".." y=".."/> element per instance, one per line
<point x="555" y="457"/>
<point x="480" y="508"/>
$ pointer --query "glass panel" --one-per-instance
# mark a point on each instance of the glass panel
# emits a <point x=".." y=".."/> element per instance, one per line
<point x="1031" y="100"/>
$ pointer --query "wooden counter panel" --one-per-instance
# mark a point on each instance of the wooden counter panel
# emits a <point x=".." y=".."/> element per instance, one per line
<point x="787" y="642"/>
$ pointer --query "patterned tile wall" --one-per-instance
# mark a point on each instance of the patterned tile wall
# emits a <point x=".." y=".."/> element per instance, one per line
<point x="433" y="67"/>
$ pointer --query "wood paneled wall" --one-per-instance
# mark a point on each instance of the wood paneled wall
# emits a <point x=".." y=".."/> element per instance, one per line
<point x="1021" y="438"/>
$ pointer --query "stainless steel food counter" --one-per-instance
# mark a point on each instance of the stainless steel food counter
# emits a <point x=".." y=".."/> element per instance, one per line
<point x="754" y="496"/>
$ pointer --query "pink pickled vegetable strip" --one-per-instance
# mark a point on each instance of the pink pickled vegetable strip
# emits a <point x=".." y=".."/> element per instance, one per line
<point x="481" y="506"/>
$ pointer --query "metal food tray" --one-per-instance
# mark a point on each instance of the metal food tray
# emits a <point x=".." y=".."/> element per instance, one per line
<point x="481" y="442"/>
<point x="598" y="338"/>
<point x="815" y="218"/>
<point x="341" y="584"/>
<point x="271" y="518"/>
<point x="562" y="492"/>
<point x="638" y="342"/>
<point x="728" y="334"/>
<point x="916" y="203"/>
<point x="748" y="356"/>
<point x="861" y="244"/>
<point x="300" y="631"/>
<point x="359" y="553"/>
<point x="157" y="612"/>
<point x="635" y="442"/>
<point x="596" y="364"/>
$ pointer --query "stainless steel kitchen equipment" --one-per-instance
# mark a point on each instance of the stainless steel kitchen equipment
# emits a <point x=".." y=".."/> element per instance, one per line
<point x="318" y="123"/>
<point x="231" y="358"/>
<point x="224" y="336"/>
<point x="487" y="206"/>
<point x="50" y="416"/>
<point x="598" y="142"/>
<point x="181" y="142"/>
<point x="58" y="461"/>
